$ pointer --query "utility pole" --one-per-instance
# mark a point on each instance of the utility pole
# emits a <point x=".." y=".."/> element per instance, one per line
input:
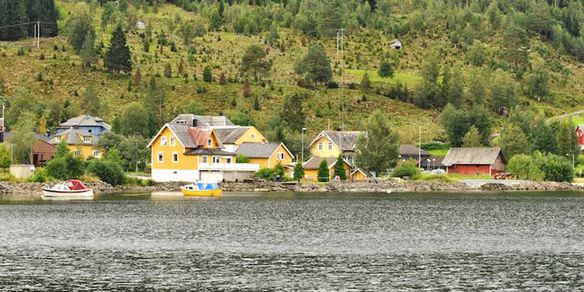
<point x="38" y="34"/>
<point x="420" y="147"/>
<point x="341" y="53"/>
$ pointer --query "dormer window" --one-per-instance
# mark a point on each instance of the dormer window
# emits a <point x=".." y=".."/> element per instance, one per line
<point x="209" y="142"/>
<point x="86" y="139"/>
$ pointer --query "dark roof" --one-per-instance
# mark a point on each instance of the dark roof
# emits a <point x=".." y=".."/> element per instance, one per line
<point x="314" y="162"/>
<point x="229" y="135"/>
<point x="471" y="156"/>
<point x="202" y="121"/>
<point x="85" y="121"/>
<point x="75" y="137"/>
<point x="257" y="150"/>
<point x="209" y="151"/>
<point x="346" y="140"/>
<point x="411" y="150"/>
<point x="9" y="135"/>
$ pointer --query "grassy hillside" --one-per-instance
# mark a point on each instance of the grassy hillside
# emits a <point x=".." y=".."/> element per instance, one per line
<point x="64" y="79"/>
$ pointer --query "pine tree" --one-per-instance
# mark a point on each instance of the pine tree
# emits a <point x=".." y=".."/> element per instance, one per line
<point x="16" y="15"/>
<point x="79" y="25"/>
<point x="323" y="171"/>
<point x="167" y="71"/>
<point x="256" y="103"/>
<point x="254" y="61"/>
<point x="87" y="52"/>
<point x="315" y="66"/>
<point x="298" y="171"/>
<point x="385" y="70"/>
<point x="292" y="112"/>
<point x="137" y="77"/>
<point x="207" y="74"/>
<point x="118" y="57"/>
<point x="366" y="82"/>
<point x="339" y="168"/>
<point x="377" y="150"/>
<point x="90" y="102"/>
<point x="513" y="141"/>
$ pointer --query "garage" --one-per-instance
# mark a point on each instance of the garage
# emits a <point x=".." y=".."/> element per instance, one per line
<point x="211" y="175"/>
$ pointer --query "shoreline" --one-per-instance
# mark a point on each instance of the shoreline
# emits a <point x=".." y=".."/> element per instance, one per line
<point x="369" y="186"/>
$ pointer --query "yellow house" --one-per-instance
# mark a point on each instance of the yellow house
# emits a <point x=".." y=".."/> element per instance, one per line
<point x="311" y="167"/>
<point x="334" y="143"/>
<point x="80" y="143"/>
<point x="266" y="155"/>
<point x="232" y="137"/>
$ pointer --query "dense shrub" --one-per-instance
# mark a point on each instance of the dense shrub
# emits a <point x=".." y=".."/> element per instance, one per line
<point x="66" y="167"/>
<point x="406" y="168"/>
<point x="108" y="171"/>
<point x="548" y="167"/>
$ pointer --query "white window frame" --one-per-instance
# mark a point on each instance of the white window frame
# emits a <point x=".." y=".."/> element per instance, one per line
<point x="77" y="153"/>
<point x="172" y="141"/>
<point x="205" y="159"/>
<point x="163" y="141"/>
<point x="96" y="153"/>
<point x="320" y="146"/>
<point x="160" y="157"/>
<point x="175" y="155"/>
<point x="330" y="145"/>
<point x="86" y="139"/>
<point x="216" y="159"/>
<point x="280" y="155"/>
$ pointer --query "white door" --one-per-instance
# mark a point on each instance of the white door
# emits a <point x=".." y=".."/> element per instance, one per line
<point x="211" y="176"/>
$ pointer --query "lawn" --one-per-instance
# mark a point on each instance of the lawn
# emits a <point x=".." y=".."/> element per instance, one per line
<point x="408" y="78"/>
<point x="438" y="152"/>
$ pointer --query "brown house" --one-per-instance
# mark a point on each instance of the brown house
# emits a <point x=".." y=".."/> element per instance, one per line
<point x="42" y="150"/>
<point x="475" y="161"/>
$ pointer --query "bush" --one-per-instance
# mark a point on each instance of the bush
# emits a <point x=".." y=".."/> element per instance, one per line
<point x="265" y="173"/>
<point x="241" y="158"/>
<point x="406" y="168"/>
<point x="108" y="171"/>
<point x="549" y="167"/>
<point x="40" y="175"/>
<point x="66" y="167"/>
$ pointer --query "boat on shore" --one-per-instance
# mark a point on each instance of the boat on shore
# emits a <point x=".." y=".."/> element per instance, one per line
<point x="71" y="189"/>
<point x="201" y="189"/>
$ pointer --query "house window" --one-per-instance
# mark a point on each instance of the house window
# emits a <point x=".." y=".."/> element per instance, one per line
<point x="172" y="141"/>
<point x="205" y="159"/>
<point x="174" y="157"/>
<point x="216" y="159"/>
<point x="228" y="160"/>
<point x="319" y="145"/>
<point x="209" y="142"/>
<point x="96" y="153"/>
<point x="280" y="156"/>
<point x="330" y="145"/>
<point x="160" y="157"/>
<point x="163" y="141"/>
<point x="86" y="139"/>
<point x="252" y="136"/>
<point x="76" y="153"/>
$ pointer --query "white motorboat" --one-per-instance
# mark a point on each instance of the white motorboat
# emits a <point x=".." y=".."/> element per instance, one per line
<point x="71" y="189"/>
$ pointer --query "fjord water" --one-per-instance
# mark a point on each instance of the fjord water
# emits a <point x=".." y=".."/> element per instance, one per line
<point x="265" y="242"/>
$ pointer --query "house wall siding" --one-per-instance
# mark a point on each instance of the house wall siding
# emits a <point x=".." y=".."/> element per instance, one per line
<point x="185" y="162"/>
<point x="469" y="169"/>
<point x="580" y="135"/>
<point x="247" y="137"/>
<point x="325" y="152"/>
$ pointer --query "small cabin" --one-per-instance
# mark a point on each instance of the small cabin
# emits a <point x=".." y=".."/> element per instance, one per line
<point x="396" y="44"/>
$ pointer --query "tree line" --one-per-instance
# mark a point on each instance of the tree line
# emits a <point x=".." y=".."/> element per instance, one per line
<point x="16" y="17"/>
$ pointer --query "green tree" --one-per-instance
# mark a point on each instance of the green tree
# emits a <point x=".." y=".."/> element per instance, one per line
<point x="524" y="167"/>
<point x="516" y="44"/>
<point x="476" y="55"/>
<point x="385" y="69"/>
<point x="90" y="101"/>
<point x="331" y="19"/>
<point x="108" y="171"/>
<point x="503" y="91"/>
<point x="193" y="107"/>
<point x="254" y="61"/>
<point x="154" y="105"/>
<point x="241" y="118"/>
<point x="339" y="168"/>
<point x="513" y="141"/>
<point x="315" y="66"/>
<point x="323" y="171"/>
<point x="134" y="121"/>
<point x="118" y="57"/>
<point x="538" y="83"/>
<point x="456" y="123"/>
<point x="24" y="138"/>
<point x="566" y="138"/>
<point x="427" y="91"/>
<point x="472" y="138"/>
<point x="543" y="139"/>
<point x="292" y="111"/>
<point x="366" y="82"/>
<point x="377" y="150"/>
<point x="298" y="171"/>
<point x="87" y="53"/>
<point x="408" y="168"/>
<point x="79" y="25"/>
<point x="207" y="74"/>
<point x="241" y="159"/>
<point x="5" y="159"/>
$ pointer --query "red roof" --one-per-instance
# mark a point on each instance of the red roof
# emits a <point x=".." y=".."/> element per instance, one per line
<point x="199" y="136"/>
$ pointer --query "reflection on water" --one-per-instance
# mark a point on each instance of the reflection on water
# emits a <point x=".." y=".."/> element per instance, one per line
<point x="295" y="242"/>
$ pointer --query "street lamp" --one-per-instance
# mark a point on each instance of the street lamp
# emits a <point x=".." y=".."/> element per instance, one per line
<point x="428" y="160"/>
<point x="303" y="129"/>
<point x="433" y="162"/>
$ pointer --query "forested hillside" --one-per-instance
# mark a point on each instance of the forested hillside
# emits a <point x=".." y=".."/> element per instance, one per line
<point x="275" y="64"/>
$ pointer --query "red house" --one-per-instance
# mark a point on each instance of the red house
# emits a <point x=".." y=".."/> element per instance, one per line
<point x="474" y="161"/>
<point x="580" y="135"/>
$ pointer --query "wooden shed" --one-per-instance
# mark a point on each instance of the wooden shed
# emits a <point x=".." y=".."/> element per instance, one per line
<point x="475" y="161"/>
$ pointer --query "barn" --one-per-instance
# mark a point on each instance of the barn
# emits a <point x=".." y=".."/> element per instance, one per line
<point x="474" y="161"/>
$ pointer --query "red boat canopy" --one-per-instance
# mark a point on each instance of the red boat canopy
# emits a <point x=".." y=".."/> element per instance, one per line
<point x="76" y="185"/>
